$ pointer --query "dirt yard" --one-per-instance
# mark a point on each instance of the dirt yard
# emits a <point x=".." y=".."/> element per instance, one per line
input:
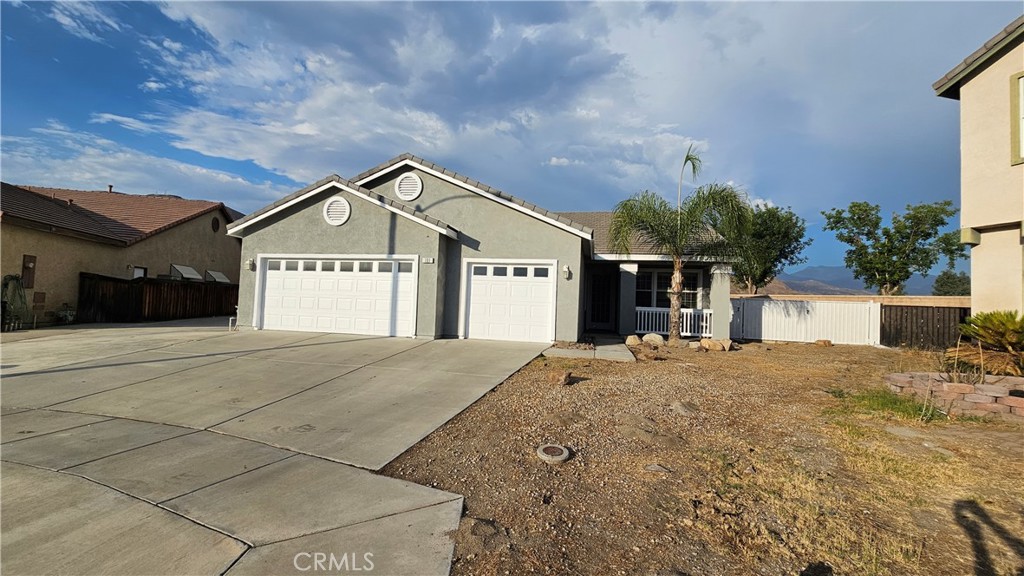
<point x="774" y="459"/>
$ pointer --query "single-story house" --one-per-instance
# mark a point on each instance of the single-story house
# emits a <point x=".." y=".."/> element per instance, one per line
<point x="50" y="235"/>
<point x="410" y="248"/>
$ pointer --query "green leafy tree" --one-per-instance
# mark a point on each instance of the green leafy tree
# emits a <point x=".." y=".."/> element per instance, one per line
<point x="697" y="226"/>
<point x="886" y="257"/>
<point x="950" y="283"/>
<point x="775" y="241"/>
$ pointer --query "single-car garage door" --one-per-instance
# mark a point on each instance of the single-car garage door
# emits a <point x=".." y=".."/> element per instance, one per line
<point x="508" y="301"/>
<point x="366" y="296"/>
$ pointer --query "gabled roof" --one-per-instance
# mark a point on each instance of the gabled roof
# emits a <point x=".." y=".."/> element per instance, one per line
<point x="335" y="181"/>
<point x="949" y="85"/>
<point x="558" y="220"/>
<point x="102" y="216"/>
<point x="601" y="222"/>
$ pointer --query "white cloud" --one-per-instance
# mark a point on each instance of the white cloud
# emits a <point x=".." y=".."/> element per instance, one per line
<point x="560" y="161"/>
<point x="152" y="85"/>
<point x="57" y="156"/>
<point x="86" y="20"/>
<point x="133" y="124"/>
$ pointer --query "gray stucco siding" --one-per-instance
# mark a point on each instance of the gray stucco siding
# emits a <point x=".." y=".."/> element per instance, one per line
<point x="370" y="230"/>
<point x="489" y="229"/>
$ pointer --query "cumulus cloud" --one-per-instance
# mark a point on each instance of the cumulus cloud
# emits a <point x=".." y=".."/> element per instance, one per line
<point x="55" y="155"/>
<point x="560" y="161"/>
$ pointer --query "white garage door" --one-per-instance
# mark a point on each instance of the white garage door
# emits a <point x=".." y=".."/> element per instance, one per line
<point x="510" y="302"/>
<point x="349" y="296"/>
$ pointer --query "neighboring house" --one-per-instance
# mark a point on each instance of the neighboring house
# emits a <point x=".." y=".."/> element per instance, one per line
<point x="50" y="235"/>
<point x="990" y="87"/>
<point x="409" y="248"/>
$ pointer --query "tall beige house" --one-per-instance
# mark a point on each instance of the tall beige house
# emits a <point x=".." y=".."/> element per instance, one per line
<point x="990" y="87"/>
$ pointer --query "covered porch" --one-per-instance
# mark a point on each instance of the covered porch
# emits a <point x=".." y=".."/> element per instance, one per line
<point x="632" y="297"/>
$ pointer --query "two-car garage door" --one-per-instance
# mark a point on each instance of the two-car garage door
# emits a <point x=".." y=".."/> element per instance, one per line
<point x="376" y="296"/>
<point x="366" y="296"/>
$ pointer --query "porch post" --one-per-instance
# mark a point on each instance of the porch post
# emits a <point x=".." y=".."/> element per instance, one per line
<point x="627" y="298"/>
<point x="721" y="307"/>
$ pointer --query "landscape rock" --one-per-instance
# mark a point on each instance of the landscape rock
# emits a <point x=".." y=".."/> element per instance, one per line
<point x="711" y="345"/>
<point x="633" y="340"/>
<point x="694" y="344"/>
<point x="683" y="408"/>
<point x="560" y="377"/>
<point x="825" y="343"/>
<point x="654" y="339"/>
<point x="656" y="468"/>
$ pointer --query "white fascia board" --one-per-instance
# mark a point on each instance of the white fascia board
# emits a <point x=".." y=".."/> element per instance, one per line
<point x="476" y="190"/>
<point x="353" y="191"/>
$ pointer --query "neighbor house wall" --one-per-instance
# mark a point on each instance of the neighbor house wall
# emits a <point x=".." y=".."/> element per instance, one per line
<point x="992" y="184"/>
<point x="370" y="230"/>
<point x="60" y="258"/>
<point x="488" y="229"/>
<point x="192" y="243"/>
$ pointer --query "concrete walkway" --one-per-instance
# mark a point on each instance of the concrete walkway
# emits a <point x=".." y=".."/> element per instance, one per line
<point x="192" y="450"/>
<point x="613" y="349"/>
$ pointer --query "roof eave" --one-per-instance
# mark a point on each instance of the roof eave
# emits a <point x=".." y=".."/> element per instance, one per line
<point x="949" y="85"/>
<point x="52" y="229"/>
<point x="477" y="187"/>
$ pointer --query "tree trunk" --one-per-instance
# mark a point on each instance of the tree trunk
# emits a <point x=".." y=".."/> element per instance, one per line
<point x="675" y="301"/>
<point x="751" y="287"/>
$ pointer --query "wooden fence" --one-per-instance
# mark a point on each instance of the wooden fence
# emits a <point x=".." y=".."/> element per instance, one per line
<point x="928" y="327"/>
<point x="107" y="299"/>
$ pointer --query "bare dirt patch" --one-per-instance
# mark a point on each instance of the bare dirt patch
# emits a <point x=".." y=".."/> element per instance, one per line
<point x="758" y="461"/>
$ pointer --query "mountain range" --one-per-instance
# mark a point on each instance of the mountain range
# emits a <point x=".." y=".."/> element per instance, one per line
<point x="836" y="280"/>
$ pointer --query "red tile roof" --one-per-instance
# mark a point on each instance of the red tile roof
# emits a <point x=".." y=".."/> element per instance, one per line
<point x="127" y="218"/>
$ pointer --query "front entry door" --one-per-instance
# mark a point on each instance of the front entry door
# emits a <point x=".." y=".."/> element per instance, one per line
<point x="601" y="288"/>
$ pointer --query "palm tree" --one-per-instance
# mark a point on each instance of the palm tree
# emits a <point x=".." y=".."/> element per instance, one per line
<point x="698" y="226"/>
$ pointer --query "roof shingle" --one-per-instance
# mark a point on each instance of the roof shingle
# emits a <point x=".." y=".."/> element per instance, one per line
<point x="127" y="218"/>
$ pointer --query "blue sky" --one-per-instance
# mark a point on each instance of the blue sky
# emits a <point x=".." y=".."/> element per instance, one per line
<point x="570" y="106"/>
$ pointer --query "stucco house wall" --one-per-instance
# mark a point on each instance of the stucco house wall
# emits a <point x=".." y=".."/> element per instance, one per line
<point x="193" y="243"/>
<point x="60" y="258"/>
<point x="488" y="229"/>
<point x="992" y="184"/>
<point x="370" y="230"/>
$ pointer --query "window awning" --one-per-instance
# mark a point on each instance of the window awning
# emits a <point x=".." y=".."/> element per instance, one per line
<point x="214" y="276"/>
<point x="184" y="272"/>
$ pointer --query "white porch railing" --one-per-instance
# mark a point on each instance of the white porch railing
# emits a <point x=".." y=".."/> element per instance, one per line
<point x="692" y="321"/>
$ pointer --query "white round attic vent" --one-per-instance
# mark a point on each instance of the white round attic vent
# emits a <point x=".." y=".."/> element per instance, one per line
<point x="336" y="211"/>
<point x="408" y="186"/>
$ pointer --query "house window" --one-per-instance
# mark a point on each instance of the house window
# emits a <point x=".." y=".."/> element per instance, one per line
<point x="1017" y="118"/>
<point x="652" y="289"/>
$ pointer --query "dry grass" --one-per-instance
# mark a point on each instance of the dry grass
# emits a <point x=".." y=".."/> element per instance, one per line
<point x="789" y="459"/>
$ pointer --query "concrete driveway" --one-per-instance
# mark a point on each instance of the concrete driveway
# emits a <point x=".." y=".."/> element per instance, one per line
<point x="181" y="448"/>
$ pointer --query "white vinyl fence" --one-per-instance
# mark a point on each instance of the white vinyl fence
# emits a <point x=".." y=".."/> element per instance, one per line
<point x="806" y="321"/>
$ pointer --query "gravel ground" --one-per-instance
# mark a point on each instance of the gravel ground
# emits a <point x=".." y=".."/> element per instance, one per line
<point x="748" y="462"/>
